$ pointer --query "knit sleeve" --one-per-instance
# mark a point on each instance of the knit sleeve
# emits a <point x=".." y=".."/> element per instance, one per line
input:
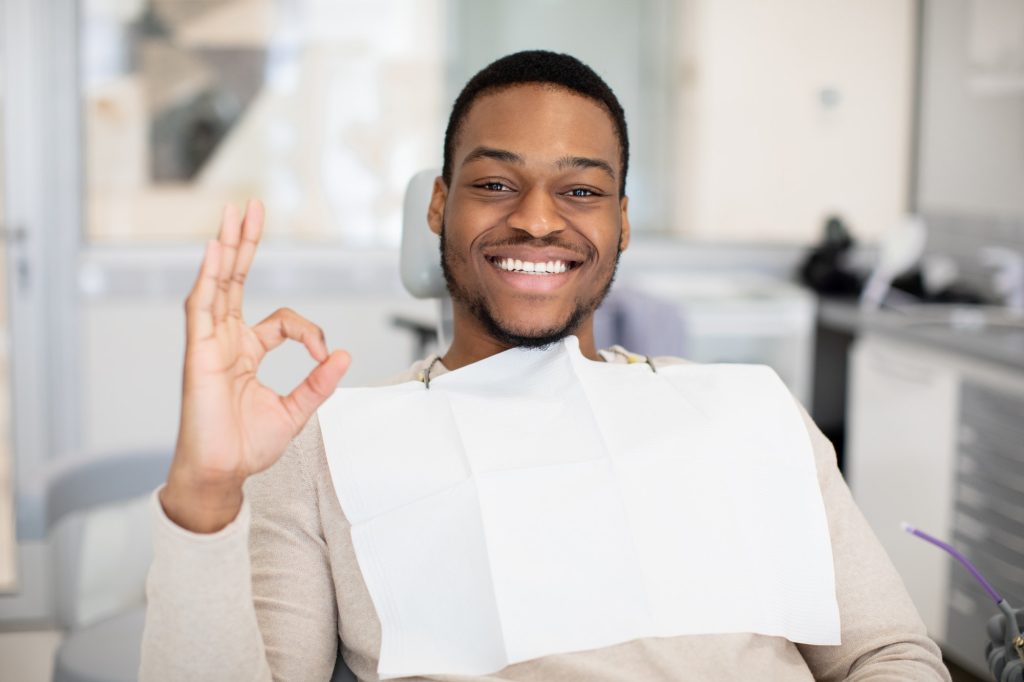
<point x="200" y="622"/>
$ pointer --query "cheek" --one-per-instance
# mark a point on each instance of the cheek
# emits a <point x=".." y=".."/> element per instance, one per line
<point x="462" y="226"/>
<point x="608" y="244"/>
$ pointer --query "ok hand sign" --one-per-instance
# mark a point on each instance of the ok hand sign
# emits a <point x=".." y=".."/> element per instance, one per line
<point x="232" y="426"/>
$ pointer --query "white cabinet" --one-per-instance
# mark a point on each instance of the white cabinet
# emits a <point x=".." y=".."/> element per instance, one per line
<point x="901" y="459"/>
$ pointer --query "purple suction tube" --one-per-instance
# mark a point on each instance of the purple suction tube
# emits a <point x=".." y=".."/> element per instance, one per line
<point x="958" y="556"/>
<point x="1015" y="638"/>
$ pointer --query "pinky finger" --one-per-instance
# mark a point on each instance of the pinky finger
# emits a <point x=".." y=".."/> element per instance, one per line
<point x="316" y="388"/>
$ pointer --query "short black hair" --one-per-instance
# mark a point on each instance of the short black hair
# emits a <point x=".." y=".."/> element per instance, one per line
<point x="543" y="68"/>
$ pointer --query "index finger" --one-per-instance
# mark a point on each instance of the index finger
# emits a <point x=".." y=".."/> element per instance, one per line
<point x="199" y="322"/>
<point x="252" y="230"/>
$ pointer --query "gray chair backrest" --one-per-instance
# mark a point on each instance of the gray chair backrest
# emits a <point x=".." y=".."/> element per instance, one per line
<point x="420" y="255"/>
<point x="420" y="262"/>
<point x="77" y="491"/>
<point x="90" y="482"/>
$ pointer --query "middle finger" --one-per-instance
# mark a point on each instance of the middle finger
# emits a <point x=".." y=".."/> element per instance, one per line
<point x="252" y="228"/>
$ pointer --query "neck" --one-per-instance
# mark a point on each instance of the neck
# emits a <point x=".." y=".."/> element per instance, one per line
<point x="471" y="343"/>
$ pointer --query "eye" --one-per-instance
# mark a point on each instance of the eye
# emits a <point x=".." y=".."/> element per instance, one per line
<point x="583" y="192"/>
<point x="493" y="186"/>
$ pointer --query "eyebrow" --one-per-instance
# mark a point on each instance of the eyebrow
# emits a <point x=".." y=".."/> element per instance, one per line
<point x="565" y="162"/>
<point x="585" y="162"/>
<point x="496" y="154"/>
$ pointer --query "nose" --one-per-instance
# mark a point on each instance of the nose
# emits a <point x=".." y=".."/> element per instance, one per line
<point x="537" y="213"/>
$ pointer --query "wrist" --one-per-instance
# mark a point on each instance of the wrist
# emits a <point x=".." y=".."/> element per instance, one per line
<point x="200" y="507"/>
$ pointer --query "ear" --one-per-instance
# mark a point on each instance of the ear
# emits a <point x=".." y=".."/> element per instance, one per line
<point x="435" y="211"/>
<point x="624" y="210"/>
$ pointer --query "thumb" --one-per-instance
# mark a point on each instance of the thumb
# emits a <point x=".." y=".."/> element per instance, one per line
<point x="316" y="387"/>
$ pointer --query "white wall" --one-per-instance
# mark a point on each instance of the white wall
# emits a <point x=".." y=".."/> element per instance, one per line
<point x="763" y="158"/>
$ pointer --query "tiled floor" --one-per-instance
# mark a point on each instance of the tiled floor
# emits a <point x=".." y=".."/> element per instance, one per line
<point x="28" y="656"/>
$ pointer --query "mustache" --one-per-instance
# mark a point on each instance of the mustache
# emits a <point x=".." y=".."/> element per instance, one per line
<point x="550" y="240"/>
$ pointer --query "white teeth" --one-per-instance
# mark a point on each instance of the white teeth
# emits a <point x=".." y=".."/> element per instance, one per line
<point x="549" y="268"/>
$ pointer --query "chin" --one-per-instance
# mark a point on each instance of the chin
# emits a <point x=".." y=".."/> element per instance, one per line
<point x="533" y="327"/>
<point x="531" y="332"/>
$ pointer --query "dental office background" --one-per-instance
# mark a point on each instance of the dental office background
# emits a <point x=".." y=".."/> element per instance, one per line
<point x="126" y="124"/>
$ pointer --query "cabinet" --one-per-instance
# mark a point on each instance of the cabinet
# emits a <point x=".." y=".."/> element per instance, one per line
<point x="900" y="460"/>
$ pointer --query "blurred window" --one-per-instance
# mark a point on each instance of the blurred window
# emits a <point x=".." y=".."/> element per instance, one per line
<point x="322" y="108"/>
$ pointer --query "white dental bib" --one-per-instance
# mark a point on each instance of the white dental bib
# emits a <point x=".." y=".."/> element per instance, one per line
<point x="537" y="503"/>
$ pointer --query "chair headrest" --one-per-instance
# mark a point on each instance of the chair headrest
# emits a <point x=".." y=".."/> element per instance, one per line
<point x="420" y="261"/>
<point x="92" y="481"/>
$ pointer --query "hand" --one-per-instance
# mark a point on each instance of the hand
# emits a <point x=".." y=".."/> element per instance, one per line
<point x="231" y="425"/>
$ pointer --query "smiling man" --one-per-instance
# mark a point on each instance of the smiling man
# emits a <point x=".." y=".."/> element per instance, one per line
<point x="256" y="575"/>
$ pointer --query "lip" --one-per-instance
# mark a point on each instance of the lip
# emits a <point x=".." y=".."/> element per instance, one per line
<point x="535" y="254"/>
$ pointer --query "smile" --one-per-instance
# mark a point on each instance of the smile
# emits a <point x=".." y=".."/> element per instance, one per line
<point x="551" y="267"/>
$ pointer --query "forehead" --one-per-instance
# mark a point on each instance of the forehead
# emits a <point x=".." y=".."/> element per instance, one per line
<point x="538" y="122"/>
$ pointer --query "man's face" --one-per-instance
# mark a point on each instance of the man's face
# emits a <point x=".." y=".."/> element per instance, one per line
<point x="532" y="224"/>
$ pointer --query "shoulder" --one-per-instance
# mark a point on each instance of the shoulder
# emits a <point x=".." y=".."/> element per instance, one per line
<point x="414" y="372"/>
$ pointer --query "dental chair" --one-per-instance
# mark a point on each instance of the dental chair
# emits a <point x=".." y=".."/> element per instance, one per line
<point x="98" y="526"/>
<point x="98" y="522"/>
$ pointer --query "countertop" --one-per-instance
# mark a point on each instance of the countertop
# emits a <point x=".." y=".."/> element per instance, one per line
<point x="1003" y="345"/>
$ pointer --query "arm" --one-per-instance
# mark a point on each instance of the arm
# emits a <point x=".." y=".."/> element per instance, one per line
<point x="215" y="612"/>
<point x="883" y="637"/>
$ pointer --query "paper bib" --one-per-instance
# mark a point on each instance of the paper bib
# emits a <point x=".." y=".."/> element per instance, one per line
<point x="537" y="503"/>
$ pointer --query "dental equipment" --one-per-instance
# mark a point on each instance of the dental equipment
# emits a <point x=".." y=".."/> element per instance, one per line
<point x="995" y="651"/>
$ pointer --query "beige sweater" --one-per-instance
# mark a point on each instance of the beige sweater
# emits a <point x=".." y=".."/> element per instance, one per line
<point x="268" y="597"/>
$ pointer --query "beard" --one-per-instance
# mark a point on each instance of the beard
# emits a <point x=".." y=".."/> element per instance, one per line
<point x="481" y="309"/>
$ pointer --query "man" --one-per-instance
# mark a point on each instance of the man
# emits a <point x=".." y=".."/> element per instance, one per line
<point x="255" y="574"/>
